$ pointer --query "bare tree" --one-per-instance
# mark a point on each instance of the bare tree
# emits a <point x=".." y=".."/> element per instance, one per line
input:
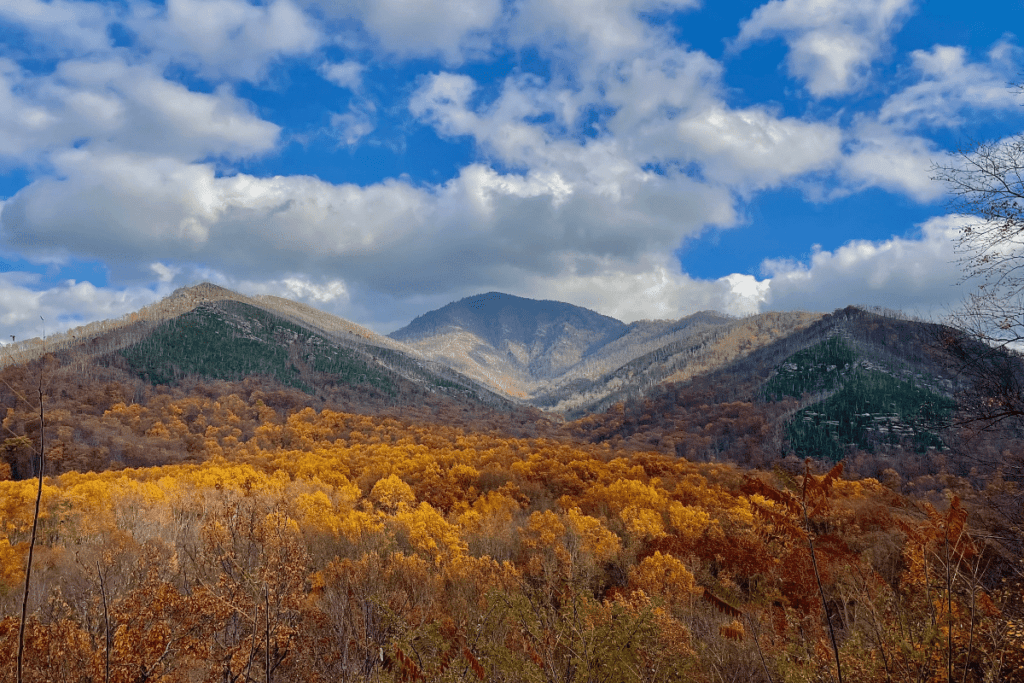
<point x="985" y="337"/>
<point x="986" y="181"/>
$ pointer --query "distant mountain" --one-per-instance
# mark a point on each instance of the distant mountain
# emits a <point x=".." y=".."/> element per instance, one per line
<point x="508" y="342"/>
<point x="654" y="353"/>
<point x="493" y="349"/>
<point x="876" y="389"/>
<point x="118" y="330"/>
<point x="569" y="359"/>
<point x="114" y="390"/>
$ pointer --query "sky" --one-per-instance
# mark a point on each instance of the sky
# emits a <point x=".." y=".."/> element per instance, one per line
<point x="381" y="158"/>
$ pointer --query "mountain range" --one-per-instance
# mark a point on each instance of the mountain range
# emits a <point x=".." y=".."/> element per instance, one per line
<point x="506" y="448"/>
<point x="806" y="383"/>
<point x="498" y="347"/>
<point x="565" y="358"/>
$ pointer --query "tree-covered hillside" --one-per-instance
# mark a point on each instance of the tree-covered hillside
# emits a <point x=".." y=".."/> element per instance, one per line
<point x="232" y="340"/>
<point x="862" y="404"/>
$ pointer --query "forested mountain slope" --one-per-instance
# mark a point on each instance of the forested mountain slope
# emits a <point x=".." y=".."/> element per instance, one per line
<point x="208" y="332"/>
<point x="666" y="385"/>
<point x="284" y="500"/>
<point x="876" y="390"/>
<point x="119" y="331"/>
<point x="568" y="359"/>
<point x="215" y="343"/>
<point x="683" y="349"/>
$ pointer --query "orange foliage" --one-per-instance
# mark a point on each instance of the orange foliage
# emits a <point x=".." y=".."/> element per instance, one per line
<point x="329" y="546"/>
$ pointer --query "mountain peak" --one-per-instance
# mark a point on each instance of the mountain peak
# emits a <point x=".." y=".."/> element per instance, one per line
<point x="507" y="341"/>
<point x="203" y="292"/>
<point x="498" y="318"/>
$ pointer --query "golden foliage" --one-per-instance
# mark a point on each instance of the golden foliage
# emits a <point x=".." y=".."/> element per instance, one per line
<point x="663" y="575"/>
<point x="331" y="546"/>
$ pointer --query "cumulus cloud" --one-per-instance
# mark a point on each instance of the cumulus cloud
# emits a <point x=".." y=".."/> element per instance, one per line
<point x="669" y="117"/>
<point x="651" y="287"/>
<point x="832" y="43"/>
<point x="888" y="150"/>
<point x="129" y="209"/>
<point x="347" y="74"/>
<point x="755" y="149"/>
<point x="916" y="274"/>
<point x="429" y="27"/>
<point x="225" y="38"/>
<point x="323" y="293"/>
<point x="354" y="124"/>
<point x="393" y="237"/>
<point x="113" y="105"/>
<point x="60" y="26"/>
<point x="603" y="30"/>
<point x="881" y="156"/>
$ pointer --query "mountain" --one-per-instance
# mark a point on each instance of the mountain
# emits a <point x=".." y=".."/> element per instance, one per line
<point x="510" y="343"/>
<point x="653" y="353"/>
<point x="877" y="390"/>
<point x="206" y="332"/>
<point x="117" y="331"/>
<point x="564" y="358"/>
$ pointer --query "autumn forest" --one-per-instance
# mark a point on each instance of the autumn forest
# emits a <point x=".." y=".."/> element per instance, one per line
<point x="715" y="529"/>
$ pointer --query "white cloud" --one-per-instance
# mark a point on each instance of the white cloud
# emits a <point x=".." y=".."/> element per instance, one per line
<point x="226" y="38"/>
<point x="602" y="30"/>
<point x="885" y="150"/>
<point x="669" y="115"/>
<point x="60" y="26"/>
<point x="429" y="27"/>
<point x="111" y="105"/>
<point x="949" y="85"/>
<point x="649" y="287"/>
<point x="125" y="207"/>
<point x="879" y="156"/>
<point x="323" y="293"/>
<point x="443" y="98"/>
<point x="752" y="148"/>
<point x="348" y="74"/>
<point x="832" y="43"/>
<point x="916" y="274"/>
<point x="68" y="304"/>
<point x="163" y="272"/>
<point x="353" y="125"/>
<point x="481" y="227"/>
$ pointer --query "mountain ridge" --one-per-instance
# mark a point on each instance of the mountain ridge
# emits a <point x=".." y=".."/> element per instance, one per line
<point x="566" y="358"/>
<point x="649" y="384"/>
<point x="552" y="354"/>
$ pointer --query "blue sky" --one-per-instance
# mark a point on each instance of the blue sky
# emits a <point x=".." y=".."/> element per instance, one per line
<point x="644" y="158"/>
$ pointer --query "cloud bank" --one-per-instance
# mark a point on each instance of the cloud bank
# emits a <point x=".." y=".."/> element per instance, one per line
<point x="602" y="149"/>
